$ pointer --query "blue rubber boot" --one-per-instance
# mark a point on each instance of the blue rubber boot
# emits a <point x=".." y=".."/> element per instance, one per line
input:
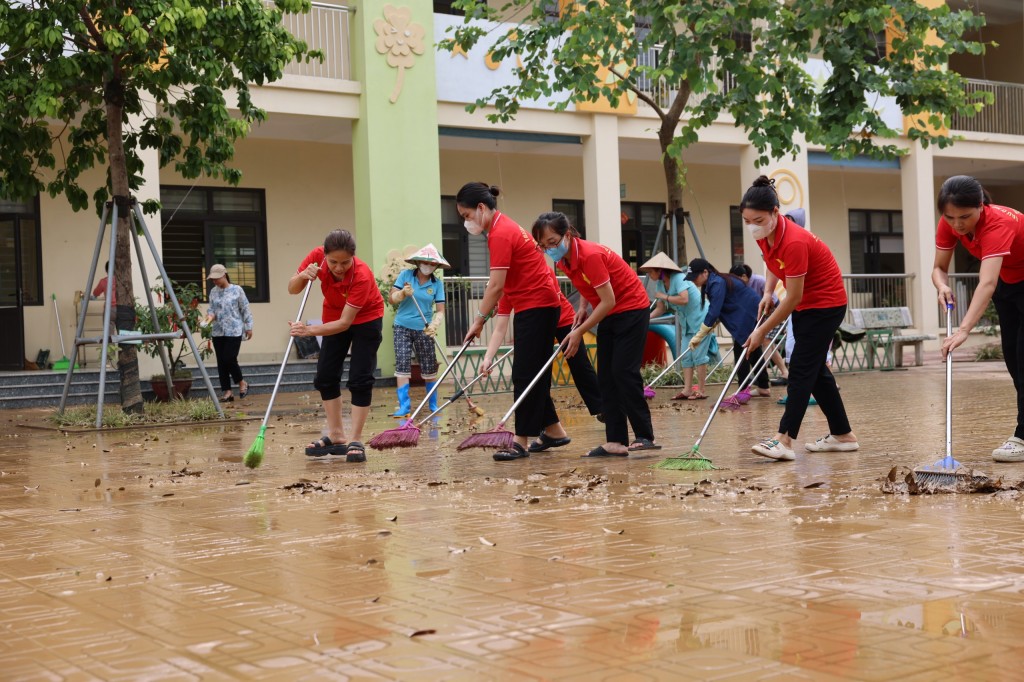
<point x="432" y="405"/>
<point x="404" y="405"/>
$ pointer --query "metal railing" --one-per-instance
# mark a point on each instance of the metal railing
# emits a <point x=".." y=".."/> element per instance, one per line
<point x="1005" y="115"/>
<point x="325" y="27"/>
<point x="662" y="91"/>
<point x="963" y="285"/>
<point x="879" y="291"/>
<point x="462" y="301"/>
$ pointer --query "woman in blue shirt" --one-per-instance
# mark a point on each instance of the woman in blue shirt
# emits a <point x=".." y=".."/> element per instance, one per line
<point x="411" y="333"/>
<point x="229" y="312"/>
<point x="681" y="297"/>
<point x="734" y="304"/>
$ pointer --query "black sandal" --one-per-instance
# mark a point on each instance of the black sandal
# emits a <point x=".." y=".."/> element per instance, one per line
<point x="325" y="446"/>
<point x="546" y="442"/>
<point x="242" y="392"/>
<point x="356" y="452"/>
<point x="511" y="453"/>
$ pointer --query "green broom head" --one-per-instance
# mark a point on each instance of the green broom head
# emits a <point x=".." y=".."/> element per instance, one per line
<point x="691" y="461"/>
<point x="254" y="457"/>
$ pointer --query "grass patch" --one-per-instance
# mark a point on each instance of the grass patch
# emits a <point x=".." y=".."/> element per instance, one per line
<point x="174" y="412"/>
<point x="990" y="351"/>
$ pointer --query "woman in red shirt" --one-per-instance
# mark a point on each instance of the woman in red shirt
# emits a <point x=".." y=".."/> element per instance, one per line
<point x="621" y="306"/>
<point x="816" y="299"/>
<point x="995" y="235"/>
<point x="518" y="271"/>
<point x="353" y="315"/>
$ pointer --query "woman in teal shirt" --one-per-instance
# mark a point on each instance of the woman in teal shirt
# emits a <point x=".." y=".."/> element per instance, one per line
<point x="681" y="297"/>
<point x="411" y="333"/>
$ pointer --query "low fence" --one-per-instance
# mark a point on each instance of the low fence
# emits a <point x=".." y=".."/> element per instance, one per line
<point x="326" y="28"/>
<point x="1004" y="116"/>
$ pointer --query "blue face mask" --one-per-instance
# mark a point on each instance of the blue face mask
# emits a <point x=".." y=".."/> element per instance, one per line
<point x="557" y="253"/>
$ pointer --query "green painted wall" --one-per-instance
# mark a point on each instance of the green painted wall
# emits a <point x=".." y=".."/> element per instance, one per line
<point x="396" y="164"/>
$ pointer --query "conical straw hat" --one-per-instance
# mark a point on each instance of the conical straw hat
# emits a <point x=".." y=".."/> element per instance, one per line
<point x="428" y="254"/>
<point x="661" y="261"/>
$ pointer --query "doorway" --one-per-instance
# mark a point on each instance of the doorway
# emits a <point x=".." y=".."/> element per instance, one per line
<point x="20" y="277"/>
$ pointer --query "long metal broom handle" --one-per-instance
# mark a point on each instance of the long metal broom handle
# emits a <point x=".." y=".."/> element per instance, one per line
<point x="667" y="368"/>
<point x="440" y="379"/>
<point x="288" y="350"/>
<point x="437" y="345"/>
<point x="56" y="313"/>
<point x="465" y="389"/>
<point x="773" y="345"/>
<point x="949" y="383"/>
<point x="718" y="403"/>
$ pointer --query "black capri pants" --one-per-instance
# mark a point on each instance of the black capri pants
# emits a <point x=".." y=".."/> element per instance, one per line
<point x="813" y="332"/>
<point x="534" y="334"/>
<point x="363" y="340"/>
<point x="583" y="374"/>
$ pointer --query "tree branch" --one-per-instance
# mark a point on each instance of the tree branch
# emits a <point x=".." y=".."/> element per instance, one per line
<point x="641" y="95"/>
<point x="91" y="26"/>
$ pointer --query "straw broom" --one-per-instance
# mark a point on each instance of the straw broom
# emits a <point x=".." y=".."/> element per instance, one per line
<point x="408" y="434"/>
<point x="499" y="437"/>
<point x="254" y="456"/>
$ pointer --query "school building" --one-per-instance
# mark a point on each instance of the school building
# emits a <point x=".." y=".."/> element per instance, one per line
<point x="379" y="144"/>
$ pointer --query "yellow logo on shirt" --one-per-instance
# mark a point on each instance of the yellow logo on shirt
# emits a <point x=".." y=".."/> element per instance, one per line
<point x="430" y="291"/>
<point x="782" y="266"/>
<point x="586" y="279"/>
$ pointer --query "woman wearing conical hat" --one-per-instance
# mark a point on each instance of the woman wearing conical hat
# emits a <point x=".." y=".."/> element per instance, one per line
<point x="681" y="297"/>
<point x="417" y="286"/>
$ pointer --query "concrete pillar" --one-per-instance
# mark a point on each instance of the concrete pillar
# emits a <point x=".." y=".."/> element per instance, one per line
<point x="601" y="182"/>
<point x="917" y="184"/>
<point x="395" y="151"/>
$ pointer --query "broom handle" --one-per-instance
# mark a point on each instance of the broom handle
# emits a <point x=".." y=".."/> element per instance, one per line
<point x="458" y="394"/>
<point x="949" y="384"/>
<point x="547" y="364"/>
<point x="667" y="368"/>
<point x="288" y="350"/>
<point x="717" y="364"/>
<point x="63" y="353"/>
<point x="437" y="384"/>
<point x="718" y="403"/>
<point x="762" y="362"/>
<point x="437" y="345"/>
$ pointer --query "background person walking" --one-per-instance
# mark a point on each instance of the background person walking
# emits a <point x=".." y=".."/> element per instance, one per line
<point x="995" y="235"/>
<point x="232" y="321"/>
<point x="417" y="287"/>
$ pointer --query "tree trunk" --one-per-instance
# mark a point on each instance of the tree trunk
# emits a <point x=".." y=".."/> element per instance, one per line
<point x="673" y="168"/>
<point x="127" y="358"/>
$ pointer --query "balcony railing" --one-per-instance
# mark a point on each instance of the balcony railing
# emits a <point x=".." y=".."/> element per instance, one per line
<point x="661" y="91"/>
<point x="325" y="28"/>
<point x="1005" y="115"/>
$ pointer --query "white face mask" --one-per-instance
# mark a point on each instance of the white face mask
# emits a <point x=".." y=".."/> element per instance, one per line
<point x="427" y="269"/>
<point x="759" y="232"/>
<point x="475" y="227"/>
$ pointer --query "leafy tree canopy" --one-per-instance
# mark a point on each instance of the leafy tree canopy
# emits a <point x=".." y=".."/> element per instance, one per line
<point x="702" y="43"/>
<point x="161" y="67"/>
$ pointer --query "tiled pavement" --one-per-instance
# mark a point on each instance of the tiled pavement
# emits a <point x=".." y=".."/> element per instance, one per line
<point x="431" y="564"/>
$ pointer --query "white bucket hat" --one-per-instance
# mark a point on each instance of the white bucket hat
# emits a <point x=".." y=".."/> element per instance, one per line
<point x="428" y="254"/>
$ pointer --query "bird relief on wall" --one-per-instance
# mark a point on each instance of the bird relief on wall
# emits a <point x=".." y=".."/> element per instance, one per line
<point x="401" y="40"/>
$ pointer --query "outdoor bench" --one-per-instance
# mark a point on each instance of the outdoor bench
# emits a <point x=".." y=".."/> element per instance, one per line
<point x="884" y="338"/>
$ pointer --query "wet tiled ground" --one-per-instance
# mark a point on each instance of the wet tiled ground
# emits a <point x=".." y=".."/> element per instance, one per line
<point x="154" y="554"/>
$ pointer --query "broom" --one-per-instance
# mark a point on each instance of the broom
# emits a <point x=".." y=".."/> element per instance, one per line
<point x="693" y="460"/>
<point x="458" y="393"/>
<point x="947" y="471"/>
<point x="649" y="388"/>
<point x="499" y="437"/>
<point x="408" y="434"/>
<point x="254" y="457"/>
<point x="742" y="396"/>
<point x="437" y="344"/>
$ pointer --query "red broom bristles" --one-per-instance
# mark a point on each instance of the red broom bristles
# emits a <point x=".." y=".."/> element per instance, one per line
<point x="498" y="438"/>
<point x="405" y="436"/>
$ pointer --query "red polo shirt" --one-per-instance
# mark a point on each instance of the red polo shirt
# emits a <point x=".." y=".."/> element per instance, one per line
<point x="999" y="232"/>
<point x="358" y="288"/>
<point x="799" y="253"/>
<point x="514" y="250"/>
<point x="591" y="265"/>
<point x="567" y="315"/>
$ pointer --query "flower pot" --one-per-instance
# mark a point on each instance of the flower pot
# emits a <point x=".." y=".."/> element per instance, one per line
<point x="181" y="389"/>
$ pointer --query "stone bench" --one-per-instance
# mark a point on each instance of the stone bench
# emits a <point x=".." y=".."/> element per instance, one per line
<point x="884" y="334"/>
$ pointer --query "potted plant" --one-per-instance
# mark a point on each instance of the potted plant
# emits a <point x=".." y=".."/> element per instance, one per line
<point x="189" y="296"/>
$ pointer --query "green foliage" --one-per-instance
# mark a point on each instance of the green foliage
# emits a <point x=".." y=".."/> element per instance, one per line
<point x="189" y="296"/>
<point x="990" y="351"/>
<point x="165" y="68"/>
<point x="175" y="411"/>
<point x="771" y="96"/>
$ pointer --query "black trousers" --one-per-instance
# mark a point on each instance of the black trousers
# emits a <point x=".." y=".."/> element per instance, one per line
<point x="227" y="348"/>
<point x="1009" y="300"/>
<point x="620" y="352"/>
<point x="533" y="333"/>
<point x="583" y="374"/>
<point x="813" y="331"/>
<point x="746" y="364"/>
<point x="363" y="340"/>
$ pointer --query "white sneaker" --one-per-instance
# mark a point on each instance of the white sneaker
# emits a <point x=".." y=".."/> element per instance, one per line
<point x="1010" y="451"/>
<point x="773" y="449"/>
<point x="829" y="443"/>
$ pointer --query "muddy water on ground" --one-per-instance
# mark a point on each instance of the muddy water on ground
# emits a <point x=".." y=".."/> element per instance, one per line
<point x="154" y="554"/>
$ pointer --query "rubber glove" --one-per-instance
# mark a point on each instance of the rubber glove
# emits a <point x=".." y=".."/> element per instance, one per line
<point x="435" y="322"/>
<point x="699" y="336"/>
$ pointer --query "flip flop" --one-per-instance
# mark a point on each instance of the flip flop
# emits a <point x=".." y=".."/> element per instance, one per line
<point x="546" y="442"/>
<point x="682" y="395"/>
<point x="327" y="447"/>
<point x="643" y="444"/>
<point x="599" y="451"/>
<point x="697" y="395"/>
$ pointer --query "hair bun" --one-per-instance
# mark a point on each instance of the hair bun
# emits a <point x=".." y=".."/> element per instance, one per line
<point x="763" y="181"/>
<point x="494" y="190"/>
